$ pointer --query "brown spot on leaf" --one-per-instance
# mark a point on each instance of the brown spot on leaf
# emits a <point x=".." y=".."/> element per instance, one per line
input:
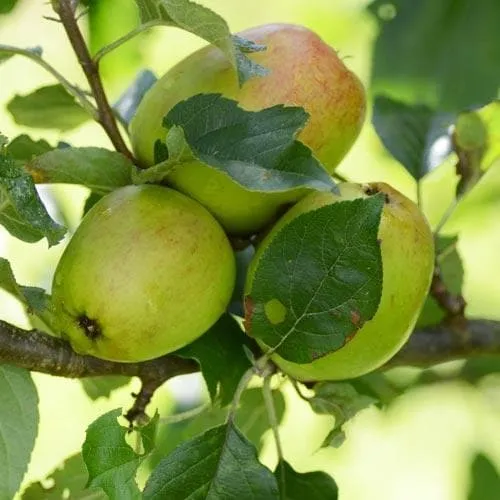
<point x="355" y="318"/>
<point x="248" y="306"/>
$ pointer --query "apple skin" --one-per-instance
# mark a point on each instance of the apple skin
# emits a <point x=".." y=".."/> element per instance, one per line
<point x="407" y="248"/>
<point x="148" y="271"/>
<point x="304" y="71"/>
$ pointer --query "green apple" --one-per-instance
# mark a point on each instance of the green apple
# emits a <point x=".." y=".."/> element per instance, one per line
<point x="147" y="271"/>
<point x="407" y="249"/>
<point x="303" y="71"/>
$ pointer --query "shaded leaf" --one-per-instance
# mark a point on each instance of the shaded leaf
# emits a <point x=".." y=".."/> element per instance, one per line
<point x="48" y="107"/>
<point x="24" y="148"/>
<point x="18" y="426"/>
<point x="206" y="24"/>
<point x="67" y="481"/>
<point x="220" y="354"/>
<point x="318" y="280"/>
<point x="343" y="402"/>
<point x="414" y="134"/>
<point x="23" y="213"/>
<point x="421" y="53"/>
<point x="99" y="169"/>
<point x="102" y="387"/>
<point x="110" y="461"/>
<point x="298" y="486"/>
<point x="221" y="464"/>
<point x="256" y="149"/>
<point x="485" y="480"/>
<point x="252" y="417"/>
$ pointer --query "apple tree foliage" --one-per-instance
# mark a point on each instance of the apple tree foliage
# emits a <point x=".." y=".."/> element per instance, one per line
<point x="435" y="78"/>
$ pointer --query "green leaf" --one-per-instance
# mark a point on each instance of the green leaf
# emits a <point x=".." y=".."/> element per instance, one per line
<point x="298" y="486"/>
<point x="48" y="107"/>
<point x="206" y="24"/>
<point x="99" y="169"/>
<point x="221" y="464"/>
<point x="127" y="104"/>
<point x="485" y="480"/>
<point x="67" y="481"/>
<point x="18" y="426"/>
<point x="342" y="401"/>
<point x="102" y="387"/>
<point x="221" y="357"/>
<point x="452" y="275"/>
<point x="24" y="148"/>
<point x="111" y="463"/>
<point x="411" y="134"/>
<point x="421" y="53"/>
<point x="256" y="149"/>
<point x="7" y="6"/>
<point x="22" y="212"/>
<point x="322" y="273"/>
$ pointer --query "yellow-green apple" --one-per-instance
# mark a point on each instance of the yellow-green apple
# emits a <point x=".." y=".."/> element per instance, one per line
<point x="147" y="271"/>
<point x="303" y="71"/>
<point x="407" y="251"/>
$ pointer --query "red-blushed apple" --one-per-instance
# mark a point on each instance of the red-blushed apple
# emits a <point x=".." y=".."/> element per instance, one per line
<point x="303" y="71"/>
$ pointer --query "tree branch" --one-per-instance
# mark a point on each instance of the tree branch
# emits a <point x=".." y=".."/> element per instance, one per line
<point x="105" y="114"/>
<point x="449" y="341"/>
<point x="38" y="351"/>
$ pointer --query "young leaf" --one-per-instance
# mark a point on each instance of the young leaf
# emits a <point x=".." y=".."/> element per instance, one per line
<point x="415" y="135"/>
<point x="206" y="24"/>
<point x="23" y="213"/>
<point x="48" y="107"/>
<point x="298" y="486"/>
<point x="470" y="139"/>
<point x="67" y="481"/>
<point x="485" y="480"/>
<point x="318" y="281"/>
<point x="221" y="357"/>
<point x="18" y="426"/>
<point x="421" y="53"/>
<point x="342" y="401"/>
<point x="111" y="463"/>
<point x="221" y="464"/>
<point x="127" y="104"/>
<point x="99" y="169"/>
<point x="256" y="149"/>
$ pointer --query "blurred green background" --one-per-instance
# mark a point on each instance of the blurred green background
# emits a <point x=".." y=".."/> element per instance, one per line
<point x="422" y="445"/>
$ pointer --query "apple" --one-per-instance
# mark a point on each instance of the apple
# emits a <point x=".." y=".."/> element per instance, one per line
<point x="303" y="71"/>
<point x="407" y="250"/>
<point x="148" y="271"/>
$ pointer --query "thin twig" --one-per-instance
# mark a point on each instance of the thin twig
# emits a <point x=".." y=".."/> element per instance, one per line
<point x="105" y="114"/>
<point x="77" y="93"/>
<point x="120" y="41"/>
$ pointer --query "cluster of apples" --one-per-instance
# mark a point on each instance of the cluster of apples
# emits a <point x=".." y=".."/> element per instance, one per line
<point x="150" y="268"/>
